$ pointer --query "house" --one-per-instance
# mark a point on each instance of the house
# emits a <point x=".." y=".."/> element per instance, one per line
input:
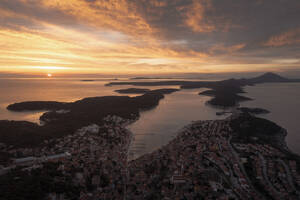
<point x="178" y="179"/>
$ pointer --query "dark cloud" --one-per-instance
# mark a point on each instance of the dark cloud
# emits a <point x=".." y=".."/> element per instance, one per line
<point x="233" y="21"/>
<point x="27" y="13"/>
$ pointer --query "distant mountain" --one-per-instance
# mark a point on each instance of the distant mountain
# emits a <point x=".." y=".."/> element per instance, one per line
<point x="146" y="78"/>
<point x="269" y="78"/>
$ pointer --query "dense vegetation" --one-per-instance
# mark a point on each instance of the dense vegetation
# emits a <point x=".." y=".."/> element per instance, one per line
<point x="247" y="127"/>
<point x="254" y="111"/>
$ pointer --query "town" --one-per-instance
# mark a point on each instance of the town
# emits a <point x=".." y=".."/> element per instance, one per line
<point x="203" y="161"/>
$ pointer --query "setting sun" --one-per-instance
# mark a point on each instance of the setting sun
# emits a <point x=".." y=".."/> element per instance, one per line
<point x="49" y="75"/>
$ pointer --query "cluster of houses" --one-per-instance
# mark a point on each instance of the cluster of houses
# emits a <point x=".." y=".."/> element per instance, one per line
<point x="202" y="161"/>
<point x="95" y="157"/>
<point x="272" y="169"/>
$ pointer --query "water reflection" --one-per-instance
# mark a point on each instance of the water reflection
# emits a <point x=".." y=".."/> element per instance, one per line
<point x="65" y="90"/>
<point x="157" y="127"/>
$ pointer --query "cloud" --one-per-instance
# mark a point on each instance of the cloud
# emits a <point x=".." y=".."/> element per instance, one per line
<point x="118" y="15"/>
<point x="204" y="16"/>
<point x="116" y="34"/>
<point x="196" y="19"/>
<point x="221" y="48"/>
<point x="290" y="37"/>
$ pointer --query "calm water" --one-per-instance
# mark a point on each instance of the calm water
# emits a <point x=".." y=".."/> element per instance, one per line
<point x="17" y="90"/>
<point x="157" y="127"/>
<point x="66" y="90"/>
<point x="282" y="99"/>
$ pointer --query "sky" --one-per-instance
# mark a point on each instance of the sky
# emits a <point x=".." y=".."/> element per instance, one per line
<point x="148" y="36"/>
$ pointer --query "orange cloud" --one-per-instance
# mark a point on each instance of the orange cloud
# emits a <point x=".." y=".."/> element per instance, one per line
<point x="201" y="16"/>
<point x="221" y="48"/>
<point x="286" y="38"/>
<point x="58" y="48"/>
<point x="195" y="18"/>
<point x="119" y="15"/>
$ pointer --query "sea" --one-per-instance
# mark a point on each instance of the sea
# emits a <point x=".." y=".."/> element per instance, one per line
<point x="283" y="102"/>
<point x="158" y="126"/>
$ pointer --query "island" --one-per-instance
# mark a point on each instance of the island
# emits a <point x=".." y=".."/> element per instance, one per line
<point x="145" y="78"/>
<point x="92" y="80"/>
<point x="63" y="118"/>
<point x="225" y="93"/>
<point x="144" y="90"/>
<point x="133" y="91"/>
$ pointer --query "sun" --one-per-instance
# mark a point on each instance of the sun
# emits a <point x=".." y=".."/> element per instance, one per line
<point x="49" y="75"/>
